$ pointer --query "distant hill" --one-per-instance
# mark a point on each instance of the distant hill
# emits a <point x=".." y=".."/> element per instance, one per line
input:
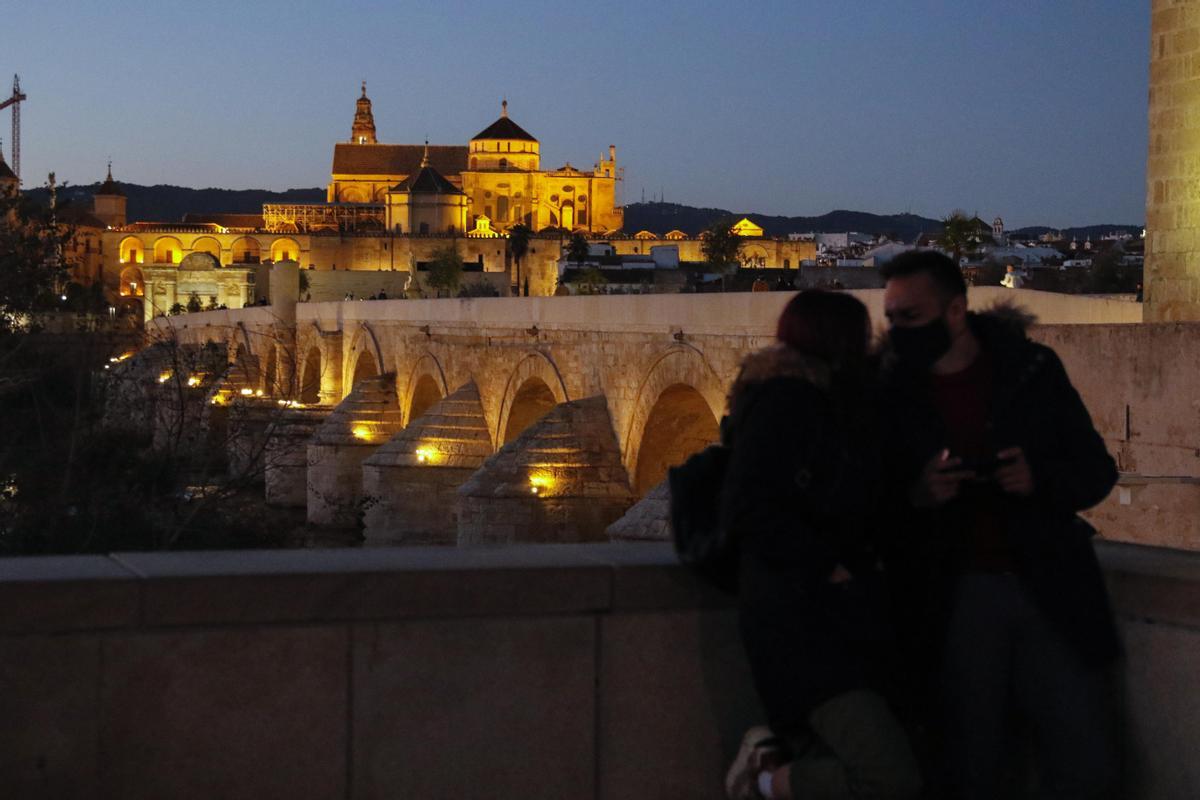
<point x="164" y="203"/>
<point x="1083" y="232"/>
<point x="169" y="203"/>
<point x="663" y="217"/>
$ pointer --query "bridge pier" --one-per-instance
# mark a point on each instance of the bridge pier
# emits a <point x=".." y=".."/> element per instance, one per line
<point x="561" y="480"/>
<point x="410" y="483"/>
<point x="285" y="455"/>
<point x="368" y="417"/>
<point x="648" y="520"/>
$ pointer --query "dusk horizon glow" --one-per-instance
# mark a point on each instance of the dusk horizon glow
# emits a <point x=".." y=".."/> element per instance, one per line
<point x="782" y="109"/>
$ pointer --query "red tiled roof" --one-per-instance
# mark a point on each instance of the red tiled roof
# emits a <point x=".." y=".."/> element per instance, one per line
<point x="396" y="159"/>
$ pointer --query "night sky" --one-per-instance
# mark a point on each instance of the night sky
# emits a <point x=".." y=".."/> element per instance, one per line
<point x="1033" y="110"/>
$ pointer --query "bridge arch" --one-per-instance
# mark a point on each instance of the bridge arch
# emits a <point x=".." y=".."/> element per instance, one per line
<point x="675" y="413"/>
<point x="310" y="376"/>
<point x="533" y="388"/>
<point x="365" y="367"/>
<point x="270" y="372"/>
<point x="365" y="356"/>
<point x="426" y="385"/>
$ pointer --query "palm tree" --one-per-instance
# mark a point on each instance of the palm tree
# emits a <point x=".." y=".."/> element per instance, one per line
<point x="577" y="250"/>
<point x="720" y="247"/>
<point x="518" y="246"/>
<point x="958" y="234"/>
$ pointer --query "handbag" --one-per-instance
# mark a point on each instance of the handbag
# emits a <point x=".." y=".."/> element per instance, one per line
<point x="695" y="512"/>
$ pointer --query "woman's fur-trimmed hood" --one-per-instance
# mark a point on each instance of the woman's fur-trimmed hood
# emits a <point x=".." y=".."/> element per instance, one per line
<point x="780" y="361"/>
<point x="1004" y="319"/>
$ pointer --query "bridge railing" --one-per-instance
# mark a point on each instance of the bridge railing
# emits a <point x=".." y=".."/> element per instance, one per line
<point x="596" y="671"/>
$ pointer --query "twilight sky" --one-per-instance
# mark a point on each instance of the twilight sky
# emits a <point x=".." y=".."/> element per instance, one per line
<point x="1032" y="109"/>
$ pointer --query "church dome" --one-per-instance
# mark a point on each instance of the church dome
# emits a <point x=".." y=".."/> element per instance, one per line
<point x="504" y="146"/>
<point x="504" y="129"/>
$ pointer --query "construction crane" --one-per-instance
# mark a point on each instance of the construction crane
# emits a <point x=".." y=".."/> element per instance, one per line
<point x="15" y="102"/>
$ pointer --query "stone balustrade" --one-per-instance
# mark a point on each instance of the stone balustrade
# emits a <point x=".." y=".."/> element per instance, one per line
<point x="539" y="671"/>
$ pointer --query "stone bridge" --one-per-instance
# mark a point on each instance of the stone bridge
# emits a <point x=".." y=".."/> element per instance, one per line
<point x="499" y="420"/>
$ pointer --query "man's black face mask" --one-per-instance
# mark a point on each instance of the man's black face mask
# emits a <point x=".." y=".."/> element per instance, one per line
<point x="918" y="348"/>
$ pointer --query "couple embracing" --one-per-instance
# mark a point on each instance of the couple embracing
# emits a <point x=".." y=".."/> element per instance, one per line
<point x="913" y="580"/>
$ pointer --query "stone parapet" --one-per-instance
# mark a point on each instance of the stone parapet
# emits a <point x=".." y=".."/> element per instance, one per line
<point x="584" y="671"/>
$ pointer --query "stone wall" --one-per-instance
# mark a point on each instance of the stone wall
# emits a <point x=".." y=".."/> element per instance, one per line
<point x="1172" y="181"/>
<point x="581" y="671"/>
<point x="1141" y="384"/>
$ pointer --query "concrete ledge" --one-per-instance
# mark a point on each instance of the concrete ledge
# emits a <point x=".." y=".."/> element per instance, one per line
<point x="591" y="671"/>
<point x="377" y="583"/>
<point x="1153" y="585"/>
<point x="60" y="593"/>
<point x="125" y="590"/>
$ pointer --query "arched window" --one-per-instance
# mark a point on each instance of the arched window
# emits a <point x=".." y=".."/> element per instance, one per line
<point x="285" y="250"/>
<point x="132" y="251"/>
<point x="246" y="251"/>
<point x="167" y="250"/>
<point x="132" y="284"/>
<point x="207" y="244"/>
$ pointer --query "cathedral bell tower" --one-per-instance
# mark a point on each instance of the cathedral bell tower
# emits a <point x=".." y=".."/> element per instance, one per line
<point x="108" y="203"/>
<point x="363" y="131"/>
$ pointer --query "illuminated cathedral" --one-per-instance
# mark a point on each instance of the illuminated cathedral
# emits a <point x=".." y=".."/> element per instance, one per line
<point x="497" y="175"/>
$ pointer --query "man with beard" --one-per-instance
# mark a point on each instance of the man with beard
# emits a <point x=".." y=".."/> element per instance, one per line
<point x="1003" y="607"/>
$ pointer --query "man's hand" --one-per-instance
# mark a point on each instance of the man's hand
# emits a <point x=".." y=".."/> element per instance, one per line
<point x="939" y="481"/>
<point x="1014" y="475"/>
<point x="840" y="575"/>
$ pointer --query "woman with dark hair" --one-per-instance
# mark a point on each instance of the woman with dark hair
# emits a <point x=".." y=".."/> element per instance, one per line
<point x="798" y="496"/>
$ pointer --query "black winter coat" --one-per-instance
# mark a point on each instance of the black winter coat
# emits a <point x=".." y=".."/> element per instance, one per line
<point x="1036" y="408"/>
<point x="797" y="496"/>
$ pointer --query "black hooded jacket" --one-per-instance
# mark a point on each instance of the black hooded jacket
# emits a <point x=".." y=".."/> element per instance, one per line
<point x="1035" y="407"/>
<point x="798" y="496"/>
